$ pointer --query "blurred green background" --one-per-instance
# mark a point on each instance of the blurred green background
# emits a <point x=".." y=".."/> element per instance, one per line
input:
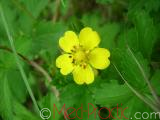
<point x="130" y="29"/>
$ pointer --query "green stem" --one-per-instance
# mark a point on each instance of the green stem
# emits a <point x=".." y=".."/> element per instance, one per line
<point x="17" y="59"/>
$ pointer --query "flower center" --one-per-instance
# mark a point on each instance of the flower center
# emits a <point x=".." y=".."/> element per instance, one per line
<point x="79" y="56"/>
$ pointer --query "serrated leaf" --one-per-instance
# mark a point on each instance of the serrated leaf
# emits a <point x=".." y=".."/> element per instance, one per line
<point x="71" y="94"/>
<point x="112" y="94"/>
<point x="129" y="68"/>
<point x="146" y="32"/>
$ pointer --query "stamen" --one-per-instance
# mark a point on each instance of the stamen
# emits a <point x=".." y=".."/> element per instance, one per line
<point x="84" y="66"/>
<point x="74" y="47"/>
<point x="73" y="61"/>
<point x="72" y="50"/>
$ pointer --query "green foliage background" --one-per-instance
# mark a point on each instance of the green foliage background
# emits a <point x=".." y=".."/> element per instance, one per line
<point x="130" y="29"/>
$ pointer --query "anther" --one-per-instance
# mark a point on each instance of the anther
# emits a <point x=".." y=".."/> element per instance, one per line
<point x="84" y="66"/>
<point x="74" y="47"/>
<point x="73" y="61"/>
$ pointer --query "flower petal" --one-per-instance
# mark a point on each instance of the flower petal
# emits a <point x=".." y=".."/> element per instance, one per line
<point x="89" y="38"/>
<point x="83" y="75"/>
<point x="65" y="63"/>
<point x="68" y="41"/>
<point x="98" y="58"/>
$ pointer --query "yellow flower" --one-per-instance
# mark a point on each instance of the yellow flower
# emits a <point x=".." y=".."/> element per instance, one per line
<point x="82" y="55"/>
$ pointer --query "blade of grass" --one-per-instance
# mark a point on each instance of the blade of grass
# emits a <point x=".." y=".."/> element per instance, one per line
<point x="137" y="93"/>
<point x="17" y="59"/>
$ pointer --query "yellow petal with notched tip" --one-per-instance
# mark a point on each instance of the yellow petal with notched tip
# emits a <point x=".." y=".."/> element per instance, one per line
<point x="98" y="58"/>
<point x="83" y="75"/>
<point x="88" y="38"/>
<point x="64" y="62"/>
<point x="68" y="41"/>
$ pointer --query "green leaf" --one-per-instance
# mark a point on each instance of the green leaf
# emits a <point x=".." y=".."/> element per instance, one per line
<point x="133" y="111"/>
<point x="22" y="44"/>
<point x="108" y="33"/>
<point x="64" y="6"/>
<point x="75" y="25"/>
<point x="35" y="6"/>
<point x="10" y="15"/>
<point x="71" y="94"/>
<point x="155" y="81"/>
<point x="46" y="36"/>
<point x="91" y="20"/>
<point x="13" y="75"/>
<point x="104" y="1"/>
<point x="152" y="5"/>
<point x="129" y="37"/>
<point x="146" y="32"/>
<point x="21" y="113"/>
<point x="74" y="96"/>
<point x="129" y="68"/>
<point x="49" y="101"/>
<point x="147" y="5"/>
<point x="87" y="103"/>
<point x="6" y="100"/>
<point x="112" y="93"/>
<point x="25" y="23"/>
<point x="20" y="93"/>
